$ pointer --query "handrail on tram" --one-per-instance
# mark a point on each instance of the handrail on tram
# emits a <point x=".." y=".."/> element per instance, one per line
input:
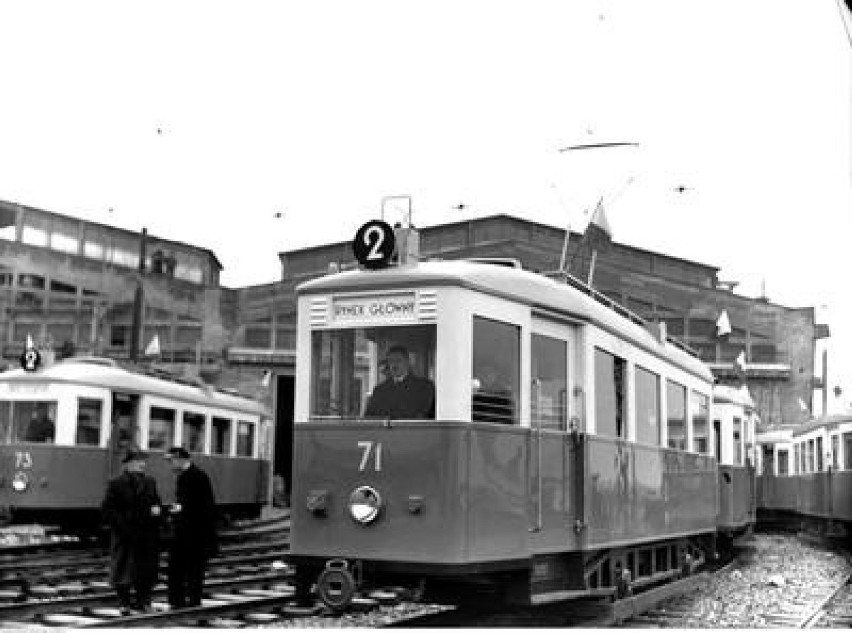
<point x="615" y="306"/>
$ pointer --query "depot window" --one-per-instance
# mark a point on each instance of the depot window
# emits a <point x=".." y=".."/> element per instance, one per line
<point x="496" y="371"/>
<point x="161" y="432"/>
<point x="351" y="372"/>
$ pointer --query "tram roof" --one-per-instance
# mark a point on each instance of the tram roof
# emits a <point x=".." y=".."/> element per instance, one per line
<point x="107" y="373"/>
<point x="724" y="394"/>
<point x="828" y="421"/>
<point x="570" y="298"/>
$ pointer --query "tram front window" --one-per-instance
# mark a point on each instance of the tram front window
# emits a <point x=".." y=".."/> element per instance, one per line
<point x="382" y="372"/>
<point x="34" y="422"/>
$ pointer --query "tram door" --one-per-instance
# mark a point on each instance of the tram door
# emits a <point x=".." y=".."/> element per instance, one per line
<point x="284" y="404"/>
<point x="124" y="428"/>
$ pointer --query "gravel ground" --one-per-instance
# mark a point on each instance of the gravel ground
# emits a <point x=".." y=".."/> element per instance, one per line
<point x="377" y="618"/>
<point x="777" y="584"/>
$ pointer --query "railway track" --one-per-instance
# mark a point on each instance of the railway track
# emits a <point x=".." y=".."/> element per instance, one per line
<point x="68" y="585"/>
<point x="835" y="612"/>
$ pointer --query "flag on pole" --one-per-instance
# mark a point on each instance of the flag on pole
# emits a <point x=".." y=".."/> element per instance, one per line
<point x="153" y="348"/>
<point x="803" y="406"/>
<point x="723" y="324"/>
<point x="30" y="344"/>
<point x="598" y="233"/>
<point x="740" y="362"/>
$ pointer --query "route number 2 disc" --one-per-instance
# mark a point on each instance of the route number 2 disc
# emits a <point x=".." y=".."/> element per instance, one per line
<point x="374" y="244"/>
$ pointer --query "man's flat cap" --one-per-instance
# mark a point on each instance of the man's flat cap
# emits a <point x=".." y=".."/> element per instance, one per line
<point x="177" y="451"/>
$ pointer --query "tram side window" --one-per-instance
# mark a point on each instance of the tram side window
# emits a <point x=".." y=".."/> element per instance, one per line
<point x="5" y="421"/>
<point x="847" y="450"/>
<point x="221" y="436"/>
<point x="738" y="444"/>
<point x="245" y="439"/>
<point x="194" y="431"/>
<point x="161" y="433"/>
<point x="647" y="407"/>
<point x="782" y="462"/>
<point x="89" y="414"/>
<point x="550" y="382"/>
<point x="811" y="460"/>
<point x="610" y="391"/>
<point x="495" y="371"/>
<point x="835" y="452"/>
<point x="34" y="422"/>
<point x="676" y="415"/>
<point x="700" y="429"/>
<point x="819" y="454"/>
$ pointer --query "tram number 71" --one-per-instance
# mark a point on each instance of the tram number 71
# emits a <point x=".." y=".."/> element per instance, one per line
<point x="367" y="452"/>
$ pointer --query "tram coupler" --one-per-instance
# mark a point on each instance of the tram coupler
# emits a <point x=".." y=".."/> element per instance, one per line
<point x="336" y="584"/>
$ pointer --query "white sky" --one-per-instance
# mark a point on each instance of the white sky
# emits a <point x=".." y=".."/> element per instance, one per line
<point x="319" y="109"/>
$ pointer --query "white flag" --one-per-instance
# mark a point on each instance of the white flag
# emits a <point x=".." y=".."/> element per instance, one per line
<point x="740" y="362"/>
<point x="723" y="324"/>
<point x="153" y="348"/>
<point x="803" y="406"/>
<point x="267" y="376"/>
<point x="30" y="342"/>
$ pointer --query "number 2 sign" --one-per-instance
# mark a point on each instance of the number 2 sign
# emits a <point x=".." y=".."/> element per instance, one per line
<point x="374" y="244"/>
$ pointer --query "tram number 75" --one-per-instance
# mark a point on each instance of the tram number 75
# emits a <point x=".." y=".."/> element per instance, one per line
<point x="368" y="450"/>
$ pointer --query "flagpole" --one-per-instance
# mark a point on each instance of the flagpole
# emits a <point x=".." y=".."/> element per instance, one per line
<point x="592" y="267"/>
<point x="562" y="259"/>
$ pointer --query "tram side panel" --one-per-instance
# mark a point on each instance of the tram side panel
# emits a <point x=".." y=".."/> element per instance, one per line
<point x="813" y="495"/>
<point x="501" y="511"/>
<point x="635" y="493"/>
<point x="736" y="498"/>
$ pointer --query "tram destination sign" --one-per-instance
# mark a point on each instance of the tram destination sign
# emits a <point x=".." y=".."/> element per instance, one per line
<point x="375" y="309"/>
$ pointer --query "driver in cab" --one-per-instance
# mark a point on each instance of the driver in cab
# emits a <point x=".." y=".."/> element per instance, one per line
<point x="403" y="395"/>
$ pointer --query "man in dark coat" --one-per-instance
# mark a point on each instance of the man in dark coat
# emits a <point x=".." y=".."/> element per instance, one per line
<point x="131" y="507"/>
<point x="403" y="395"/>
<point x="194" y="540"/>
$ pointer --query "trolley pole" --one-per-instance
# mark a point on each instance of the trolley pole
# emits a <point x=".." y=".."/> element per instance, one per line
<point x="138" y="303"/>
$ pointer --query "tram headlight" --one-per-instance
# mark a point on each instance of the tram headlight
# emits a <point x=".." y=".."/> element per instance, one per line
<point x="365" y="504"/>
<point x="20" y="482"/>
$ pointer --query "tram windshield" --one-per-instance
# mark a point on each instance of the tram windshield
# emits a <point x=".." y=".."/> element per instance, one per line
<point x="379" y="372"/>
<point x="27" y="421"/>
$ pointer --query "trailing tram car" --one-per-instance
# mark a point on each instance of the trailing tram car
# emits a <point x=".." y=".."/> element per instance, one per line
<point x="566" y="451"/>
<point x="65" y="428"/>
<point x="806" y="472"/>
<point x="734" y="426"/>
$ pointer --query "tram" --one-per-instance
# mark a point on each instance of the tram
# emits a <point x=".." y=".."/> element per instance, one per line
<point x="735" y="422"/>
<point x="806" y="472"/>
<point x="65" y="428"/>
<point x="566" y="451"/>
